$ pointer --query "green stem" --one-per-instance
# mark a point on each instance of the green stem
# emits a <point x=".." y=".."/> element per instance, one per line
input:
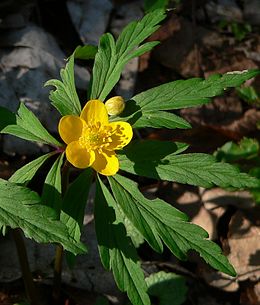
<point x="25" y="267"/>
<point x="59" y="249"/>
<point x="57" y="274"/>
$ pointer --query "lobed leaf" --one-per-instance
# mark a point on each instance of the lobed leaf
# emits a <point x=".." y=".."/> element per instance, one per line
<point x="116" y="249"/>
<point x="150" y="150"/>
<point x="191" y="92"/>
<point x="160" y="119"/>
<point x="74" y="203"/>
<point x="85" y="52"/>
<point x="28" y="127"/>
<point x="150" y="5"/>
<point x="157" y="221"/>
<point x="248" y="94"/>
<point x="24" y="174"/>
<point x="65" y="98"/>
<point x="112" y="56"/>
<point x="246" y="149"/>
<point x="20" y="208"/>
<point x="176" y="95"/>
<point x="136" y="237"/>
<point x="51" y="193"/>
<point x="194" y="169"/>
<point x="168" y="288"/>
<point x="6" y="118"/>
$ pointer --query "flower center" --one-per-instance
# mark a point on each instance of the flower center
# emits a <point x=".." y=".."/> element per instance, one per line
<point x="95" y="137"/>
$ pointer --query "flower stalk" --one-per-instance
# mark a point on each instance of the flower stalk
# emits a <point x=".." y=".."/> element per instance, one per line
<point x="59" y="249"/>
<point x="25" y="267"/>
<point x="57" y="274"/>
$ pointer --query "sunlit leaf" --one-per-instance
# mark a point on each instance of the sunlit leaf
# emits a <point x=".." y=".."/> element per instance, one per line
<point x="74" y="203"/>
<point x="24" y="174"/>
<point x="246" y="149"/>
<point x="194" y="169"/>
<point x="168" y="288"/>
<point x="85" y="52"/>
<point x="116" y="249"/>
<point x="159" y="222"/>
<point x="112" y="55"/>
<point x="28" y="127"/>
<point x="179" y="94"/>
<point x="21" y="208"/>
<point x="51" y="194"/>
<point x="65" y="97"/>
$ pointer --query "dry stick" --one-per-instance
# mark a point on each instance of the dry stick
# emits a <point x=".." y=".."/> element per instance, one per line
<point x="59" y="249"/>
<point x="25" y="268"/>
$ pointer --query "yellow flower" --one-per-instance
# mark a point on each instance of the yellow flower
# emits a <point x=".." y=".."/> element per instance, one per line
<point x="91" y="140"/>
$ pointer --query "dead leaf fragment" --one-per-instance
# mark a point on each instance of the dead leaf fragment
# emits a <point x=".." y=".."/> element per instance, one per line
<point x="244" y="244"/>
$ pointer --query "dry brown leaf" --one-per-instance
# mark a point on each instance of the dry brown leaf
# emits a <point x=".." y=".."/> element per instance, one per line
<point x="251" y="294"/>
<point x="216" y="197"/>
<point x="244" y="244"/>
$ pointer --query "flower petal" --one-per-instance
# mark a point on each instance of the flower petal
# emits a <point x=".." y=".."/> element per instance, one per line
<point x="106" y="163"/>
<point x="70" y="128"/>
<point x="94" y="112"/>
<point x="79" y="156"/>
<point x="122" y="135"/>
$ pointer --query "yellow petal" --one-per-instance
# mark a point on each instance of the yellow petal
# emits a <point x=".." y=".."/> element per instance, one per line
<point x="122" y="134"/>
<point x="70" y="128"/>
<point x="106" y="163"/>
<point x="79" y="156"/>
<point x="94" y="113"/>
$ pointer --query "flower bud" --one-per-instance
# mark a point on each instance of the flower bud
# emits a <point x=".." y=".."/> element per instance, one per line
<point x="115" y="105"/>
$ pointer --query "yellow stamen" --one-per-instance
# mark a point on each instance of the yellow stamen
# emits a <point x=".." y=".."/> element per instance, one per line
<point x="95" y="138"/>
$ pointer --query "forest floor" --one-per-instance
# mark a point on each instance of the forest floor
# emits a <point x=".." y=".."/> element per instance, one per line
<point x="198" y="38"/>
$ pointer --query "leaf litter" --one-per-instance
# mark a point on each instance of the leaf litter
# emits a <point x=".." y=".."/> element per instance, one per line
<point x="229" y="118"/>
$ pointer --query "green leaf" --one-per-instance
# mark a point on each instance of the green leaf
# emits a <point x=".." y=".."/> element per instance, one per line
<point x="191" y="92"/>
<point x="6" y="118"/>
<point x="21" y="208"/>
<point x="180" y="94"/>
<point x="101" y="301"/>
<point x="112" y="56"/>
<point x="28" y="127"/>
<point x="25" y="174"/>
<point x="51" y="194"/>
<point x="245" y="149"/>
<point x="137" y="206"/>
<point x="136" y="237"/>
<point x="116" y="249"/>
<point x="194" y="169"/>
<point x="85" y="52"/>
<point x="160" y="119"/>
<point x="240" y="30"/>
<point x="74" y="203"/>
<point x="255" y="171"/>
<point x="65" y="98"/>
<point x="168" y="288"/>
<point x="150" y="150"/>
<point x="151" y="5"/>
<point x="157" y="221"/>
<point x="249" y="94"/>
